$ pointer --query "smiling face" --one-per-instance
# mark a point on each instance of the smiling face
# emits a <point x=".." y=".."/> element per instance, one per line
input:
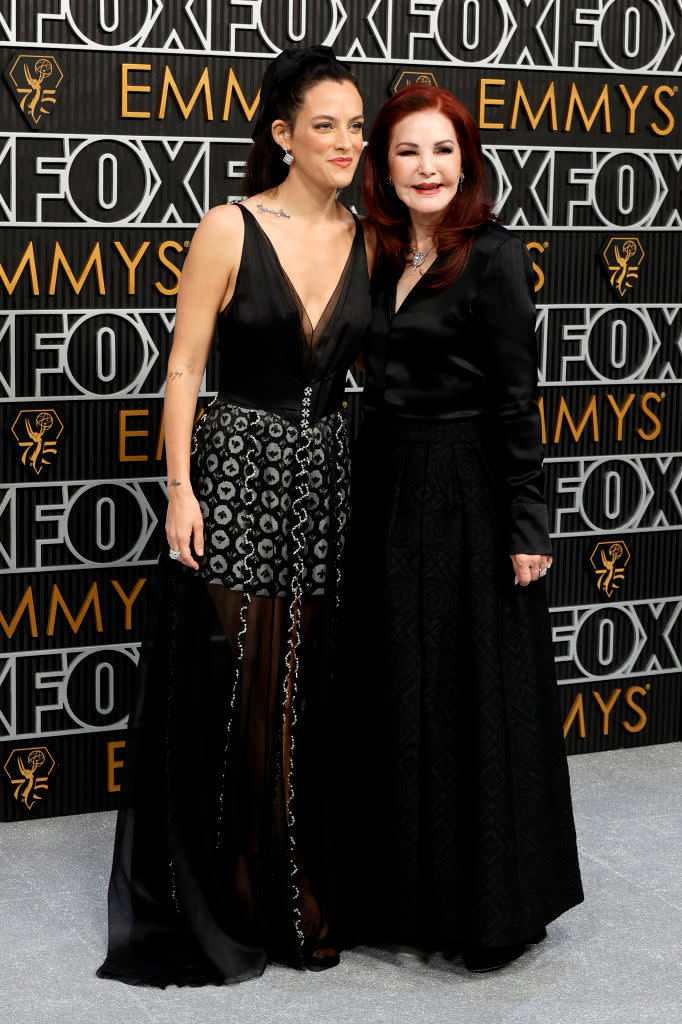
<point x="326" y="141"/>
<point x="425" y="163"/>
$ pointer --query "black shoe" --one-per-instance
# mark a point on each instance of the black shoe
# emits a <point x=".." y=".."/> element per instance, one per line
<point x="537" y="938"/>
<point x="480" y="960"/>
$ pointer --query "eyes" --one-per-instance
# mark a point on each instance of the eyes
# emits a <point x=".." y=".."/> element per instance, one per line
<point x="442" y="150"/>
<point x="355" y="126"/>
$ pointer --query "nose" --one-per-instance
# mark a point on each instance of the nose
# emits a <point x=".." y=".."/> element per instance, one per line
<point x="342" y="140"/>
<point x="426" y="164"/>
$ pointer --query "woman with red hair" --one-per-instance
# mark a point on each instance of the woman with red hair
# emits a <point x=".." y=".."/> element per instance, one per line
<point x="468" y="835"/>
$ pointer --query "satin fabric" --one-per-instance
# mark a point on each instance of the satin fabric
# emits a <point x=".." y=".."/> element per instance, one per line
<point x="269" y="350"/>
<point x="470" y="350"/>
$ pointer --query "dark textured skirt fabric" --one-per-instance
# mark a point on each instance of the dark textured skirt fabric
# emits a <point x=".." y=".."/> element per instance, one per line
<point x="465" y="830"/>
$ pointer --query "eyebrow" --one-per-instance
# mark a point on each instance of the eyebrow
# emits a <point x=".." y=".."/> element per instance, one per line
<point x="330" y="117"/>
<point x="416" y="144"/>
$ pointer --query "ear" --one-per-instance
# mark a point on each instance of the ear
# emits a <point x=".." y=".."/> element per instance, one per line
<point x="281" y="133"/>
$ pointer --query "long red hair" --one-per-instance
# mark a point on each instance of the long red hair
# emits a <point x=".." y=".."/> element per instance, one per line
<point x="467" y="212"/>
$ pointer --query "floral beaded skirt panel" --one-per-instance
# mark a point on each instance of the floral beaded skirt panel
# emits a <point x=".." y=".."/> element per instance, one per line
<point x="271" y="491"/>
<point x="224" y="855"/>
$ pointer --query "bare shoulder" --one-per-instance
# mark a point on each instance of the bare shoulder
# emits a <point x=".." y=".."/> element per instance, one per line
<point x="217" y="241"/>
<point x="370" y="234"/>
<point x="221" y="223"/>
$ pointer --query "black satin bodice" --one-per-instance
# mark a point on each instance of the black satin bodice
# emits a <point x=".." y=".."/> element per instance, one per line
<point x="269" y="351"/>
<point x="469" y="351"/>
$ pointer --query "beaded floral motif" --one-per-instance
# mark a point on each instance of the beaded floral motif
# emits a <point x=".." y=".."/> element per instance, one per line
<point x="271" y="501"/>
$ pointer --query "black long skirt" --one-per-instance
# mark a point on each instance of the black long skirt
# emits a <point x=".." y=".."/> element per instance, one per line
<point x="224" y="857"/>
<point x="464" y="832"/>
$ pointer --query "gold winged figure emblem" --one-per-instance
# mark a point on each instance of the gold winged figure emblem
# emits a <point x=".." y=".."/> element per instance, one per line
<point x="34" y="78"/>
<point x="609" y="560"/>
<point x="28" y="770"/>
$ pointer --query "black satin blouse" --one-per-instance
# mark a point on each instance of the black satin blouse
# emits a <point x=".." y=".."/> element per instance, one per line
<point x="469" y="351"/>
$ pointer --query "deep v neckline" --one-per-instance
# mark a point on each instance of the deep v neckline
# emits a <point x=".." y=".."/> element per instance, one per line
<point x="298" y="302"/>
<point x="394" y="291"/>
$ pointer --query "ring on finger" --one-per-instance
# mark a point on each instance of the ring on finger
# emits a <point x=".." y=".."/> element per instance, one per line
<point x="173" y="554"/>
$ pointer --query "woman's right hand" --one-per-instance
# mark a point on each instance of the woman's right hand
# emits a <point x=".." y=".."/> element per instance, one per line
<point x="184" y="523"/>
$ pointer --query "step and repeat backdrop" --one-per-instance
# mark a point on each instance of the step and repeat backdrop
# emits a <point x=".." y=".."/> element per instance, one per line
<point x="121" y="123"/>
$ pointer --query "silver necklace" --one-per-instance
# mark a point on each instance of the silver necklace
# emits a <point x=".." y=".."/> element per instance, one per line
<point x="419" y="257"/>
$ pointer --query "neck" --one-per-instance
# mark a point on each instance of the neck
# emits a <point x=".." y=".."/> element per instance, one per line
<point x="304" y="200"/>
<point x="421" y="231"/>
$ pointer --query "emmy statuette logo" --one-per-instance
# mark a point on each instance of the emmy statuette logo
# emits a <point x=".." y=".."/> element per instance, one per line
<point x="412" y="77"/>
<point x="609" y="560"/>
<point x="34" y="79"/>
<point x="37" y="431"/>
<point x="28" y="769"/>
<point x="623" y="257"/>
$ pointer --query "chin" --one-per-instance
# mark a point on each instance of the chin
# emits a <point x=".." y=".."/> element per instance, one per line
<point x="429" y="207"/>
<point x="343" y="178"/>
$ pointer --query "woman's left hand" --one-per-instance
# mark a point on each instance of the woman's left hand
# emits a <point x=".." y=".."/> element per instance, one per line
<point x="528" y="568"/>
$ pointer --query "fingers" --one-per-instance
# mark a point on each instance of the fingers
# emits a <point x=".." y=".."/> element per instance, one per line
<point x="179" y="540"/>
<point x="186" y="554"/>
<point x="181" y="544"/>
<point x="530" y="568"/>
<point x="198" y="531"/>
<point x="184" y="521"/>
<point x="523" y="575"/>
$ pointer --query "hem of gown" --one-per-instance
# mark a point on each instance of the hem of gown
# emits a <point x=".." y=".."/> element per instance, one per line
<point x="420" y="941"/>
<point x="162" y="980"/>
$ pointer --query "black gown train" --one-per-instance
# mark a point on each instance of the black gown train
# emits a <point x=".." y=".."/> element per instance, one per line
<point x="224" y="852"/>
<point x="465" y="834"/>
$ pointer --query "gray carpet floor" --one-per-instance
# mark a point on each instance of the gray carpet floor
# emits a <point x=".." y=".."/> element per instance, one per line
<point x="613" y="960"/>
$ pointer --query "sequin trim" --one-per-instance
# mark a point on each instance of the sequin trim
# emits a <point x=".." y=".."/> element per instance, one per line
<point x="250" y="472"/>
<point x="195" y="432"/>
<point x="303" y="455"/>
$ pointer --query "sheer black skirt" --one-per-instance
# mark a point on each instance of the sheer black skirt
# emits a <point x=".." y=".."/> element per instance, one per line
<point x="465" y="833"/>
<point x="224" y="855"/>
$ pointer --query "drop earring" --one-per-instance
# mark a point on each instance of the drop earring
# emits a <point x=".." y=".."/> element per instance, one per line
<point x="389" y="181"/>
<point x="287" y="158"/>
<point x="460" y="187"/>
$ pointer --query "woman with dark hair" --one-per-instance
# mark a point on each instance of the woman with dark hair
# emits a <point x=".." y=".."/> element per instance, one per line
<point x="224" y="860"/>
<point x="467" y="842"/>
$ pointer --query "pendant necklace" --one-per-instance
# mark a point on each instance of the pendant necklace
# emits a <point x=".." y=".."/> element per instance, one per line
<point x="419" y="257"/>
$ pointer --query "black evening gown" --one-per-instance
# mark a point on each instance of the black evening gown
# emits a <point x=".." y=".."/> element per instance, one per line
<point x="224" y="852"/>
<point x="464" y="832"/>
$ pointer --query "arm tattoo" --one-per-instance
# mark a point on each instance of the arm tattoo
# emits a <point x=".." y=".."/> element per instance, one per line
<point x="174" y="374"/>
<point x="174" y="483"/>
<point x="275" y="213"/>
